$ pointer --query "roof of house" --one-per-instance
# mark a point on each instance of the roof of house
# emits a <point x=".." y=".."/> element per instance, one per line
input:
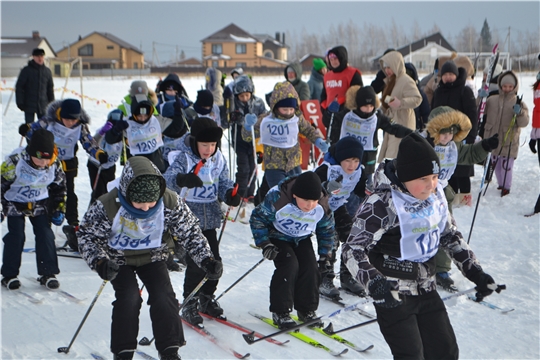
<point x="21" y="46"/>
<point x="112" y="38"/>
<point x="418" y="44"/>
<point x="230" y="32"/>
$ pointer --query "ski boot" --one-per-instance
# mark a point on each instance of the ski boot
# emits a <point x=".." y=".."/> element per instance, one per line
<point x="283" y="320"/>
<point x="12" y="283"/>
<point x="49" y="281"/>
<point x="309" y="316"/>
<point x="210" y="306"/>
<point x="445" y="282"/>
<point x="70" y="232"/>
<point x="190" y="313"/>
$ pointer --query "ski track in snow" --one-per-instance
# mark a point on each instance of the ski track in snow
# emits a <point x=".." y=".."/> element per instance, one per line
<point x="506" y="243"/>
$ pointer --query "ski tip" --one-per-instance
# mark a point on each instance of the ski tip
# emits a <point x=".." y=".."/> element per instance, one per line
<point x="250" y="338"/>
<point x="365" y="349"/>
<point x="335" y="353"/>
<point x="240" y="356"/>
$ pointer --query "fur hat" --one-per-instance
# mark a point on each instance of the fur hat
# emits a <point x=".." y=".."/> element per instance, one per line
<point x="449" y="67"/>
<point x="138" y="87"/>
<point x="70" y="109"/>
<point x="144" y="189"/>
<point x="318" y="64"/>
<point x="441" y="60"/>
<point x="38" y="52"/>
<point x="41" y="144"/>
<point x="466" y="63"/>
<point x="351" y="97"/>
<point x="307" y="186"/>
<point x="444" y="118"/>
<point x="204" y="129"/>
<point x="416" y="158"/>
<point x="348" y="147"/>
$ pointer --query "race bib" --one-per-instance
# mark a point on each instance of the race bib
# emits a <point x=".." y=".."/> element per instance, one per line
<point x="113" y="151"/>
<point x="347" y="184"/>
<point x="144" y="138"/>
<point x="30" y="184"/>
<point x="448" y="159"/>
<point x="362" y="129"/>
<point x="65" y="139"/>
<point x="209" y="174"/>
<point x="292" y="221"/>
<point x="279" y="133"/>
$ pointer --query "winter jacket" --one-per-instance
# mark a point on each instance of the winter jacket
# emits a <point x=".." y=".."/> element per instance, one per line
<point x="407" y="92"/>
<point x="283" y="158"/>
<point x="256" y="106"/>
<point x="34" y="89"/>
<point x="213" y="83"/>
<point x="315" y="84"/>
<point x="209" y="214"/>
<point x="87" y="141"/>
<point x="301" y="87"/>
<point x="535" y="131"/>
<point x="125" y="106"/>
<point x="179" y="224"/>
<point x="422" y="111"/>
<point x="499" y="115"/>
<point x="161" y="97"/>
<point x="375" y="240"/>
<point x="263" y="216"/>
<point x="56" y="189"/>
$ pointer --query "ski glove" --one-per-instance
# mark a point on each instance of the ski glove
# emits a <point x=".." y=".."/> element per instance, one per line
<point x="188" y="180"/>
<point x="213" y="268"/>
<point x="120" y="126"/>
<point x="108" y="126"/>
<point x="58" y="218"/>
<point x="482" y="93"/>
<point x="23" y="129"/>
<point x="381" y="292"/>
<point x="333" y="186"/>
<point x="107" y="269"/>
<point x="236" y="117"/>
<point x="334" y="106"/>
<point x="180" y="104"/>
<point x="532" y="145"/>
<point x="270" y="251"/>
<point x="491" y="143"/>
<point x="232" y="200"/>
<point x="517" y="109"/>
<point x="485" y="285"/>
<point x="102" y="156"/>
<point x="321" y="144"/>
<point x="249" y="121"/>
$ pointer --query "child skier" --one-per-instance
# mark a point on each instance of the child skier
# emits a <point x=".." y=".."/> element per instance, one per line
<point x="204" y="191"/>
<point x="33" y="186"/>
<point x="391" y="250"/>
<point x="69" y="124"/>
<point x="282" y="225"/>
<point x="341" y="165"/>
<point x="129" y="231"/>
<point x="447" y="128"/>
<point x="506" y="114"/>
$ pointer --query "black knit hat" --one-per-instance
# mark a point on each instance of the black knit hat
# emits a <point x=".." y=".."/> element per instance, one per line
<point x="38" y="52"/>
<point x="144" y="189"/>
<point x="204" y="129"/>
<point x="204" y="98"/>
<point x="70" y="109"/>
<point x="41" y="144"/>
<point x="307" y="186"/>
<point x="141" y="105"/>
<point x="449" y="67"/>
<point x="365" y="96"/>
<point x="348" y="147"/>
<point x="416" y="158"/>
<point x="287" y="102"/>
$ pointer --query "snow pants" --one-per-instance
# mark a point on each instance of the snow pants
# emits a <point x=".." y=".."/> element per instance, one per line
<point x="194" y="274"/>
<point x="245" y="165"/>
<point x="419" y="328"/>
<point x="46" y="258"/>
<point x="164" y="309"/>
<point x="72" y="201"/>
<point x="105" y="176"/>
<point x="503" y="170"/>
<point x="296" y="278"/>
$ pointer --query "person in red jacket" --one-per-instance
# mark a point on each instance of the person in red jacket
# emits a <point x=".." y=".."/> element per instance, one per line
<point x="337" y="80"/>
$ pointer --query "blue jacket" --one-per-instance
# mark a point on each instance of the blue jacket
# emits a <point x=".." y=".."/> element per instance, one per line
<point x="315" y="84"/>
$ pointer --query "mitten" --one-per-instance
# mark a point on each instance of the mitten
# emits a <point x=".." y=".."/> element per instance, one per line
<point x="260" y="157"/>
<point x="334" y="106"/>
<point x="321" y="144"/>
<point x="58" y="218"/>
<point x="485" y="285"/>
<point x="269" y="250"/>
<point x="120" y="126"/>
<point x="188" y="180"/>
<point x="180" y="104"/>
<point x="250" y="120"/>
<point x="108" y="126"/>
<point x="115" y="115"/>
<point x="333" y="186"/>
<point x="102" y="156"/>
<point x="380" y="290"/>
<point x="236" y="117"/>
<point x="23" y="129"/>
<point x="213" y="268"/>
<point x="532" y="145"/>
<point x="491" y="143"/>
<point x="107" y="269"/>
<point x="232" y="197"/>
<point x="482" y="93"/>
<point x="517" y="109"/>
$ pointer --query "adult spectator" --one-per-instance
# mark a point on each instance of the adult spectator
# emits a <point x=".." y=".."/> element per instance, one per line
<point x="35" y="88"/>
<point x="315" y="81"/>
<point x="293" y="74"/>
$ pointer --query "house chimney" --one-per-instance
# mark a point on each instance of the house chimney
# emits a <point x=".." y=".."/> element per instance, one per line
<point x="283" y="39"/>
<point x="277" y="36"/>
<point x="35" y="34"/>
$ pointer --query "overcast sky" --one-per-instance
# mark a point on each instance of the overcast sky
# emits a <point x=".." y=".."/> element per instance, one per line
<point x="185" y="24"/>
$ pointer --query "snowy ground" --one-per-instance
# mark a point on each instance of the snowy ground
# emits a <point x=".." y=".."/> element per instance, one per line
<point x="506" y="243"/>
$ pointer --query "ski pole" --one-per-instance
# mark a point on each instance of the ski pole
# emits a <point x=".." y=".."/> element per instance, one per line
<point x="241" y="277"/>
<point x="145" y="342"/>
<point x="66" y="349"/>
<point x="486" y="169"/>
<point x="253" y="174"/>
<point x="233" y="194"/>
<point x="330" y="328"/>
<point x="245" y="193"/>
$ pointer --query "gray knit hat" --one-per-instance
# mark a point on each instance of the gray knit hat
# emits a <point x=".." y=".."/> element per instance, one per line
<point x="144" y="189"/>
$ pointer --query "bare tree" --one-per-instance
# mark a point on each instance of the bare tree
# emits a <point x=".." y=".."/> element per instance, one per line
<point x="466" y="39"/>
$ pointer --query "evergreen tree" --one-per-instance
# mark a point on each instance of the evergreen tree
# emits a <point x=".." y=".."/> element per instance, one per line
<point x="485" y="38"/>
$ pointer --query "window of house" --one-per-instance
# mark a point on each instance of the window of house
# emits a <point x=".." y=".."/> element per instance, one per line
<point x="217" y="49"/>
<point x="86" y="50"/>
<point x="135" y="65"/>
<point x="240" y="48"/>
<point x="215" y="64"/>
<point x="268" y="54"/>
<point x="241" y="64"/>
<point x="110" y="47"/>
